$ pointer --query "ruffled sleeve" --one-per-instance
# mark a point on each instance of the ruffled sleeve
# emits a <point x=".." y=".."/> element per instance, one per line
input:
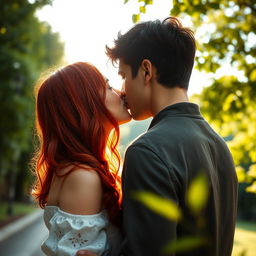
<point x="69" y="233"/>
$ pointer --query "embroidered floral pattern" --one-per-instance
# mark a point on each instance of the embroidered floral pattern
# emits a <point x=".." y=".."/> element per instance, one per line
<point x="78" y="241"/>
<point x="58" y="233"/>
<point x="69" y="233"/>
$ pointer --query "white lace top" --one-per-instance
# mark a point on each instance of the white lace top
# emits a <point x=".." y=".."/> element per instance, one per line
<point x="69" y="233"/>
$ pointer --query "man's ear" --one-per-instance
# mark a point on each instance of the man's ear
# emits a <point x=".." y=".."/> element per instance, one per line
<point x="147" y="70"/>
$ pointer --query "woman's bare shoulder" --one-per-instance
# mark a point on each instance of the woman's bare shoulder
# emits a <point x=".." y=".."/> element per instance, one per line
<point x="83" y="176"/>
<point x="81" y="192"/>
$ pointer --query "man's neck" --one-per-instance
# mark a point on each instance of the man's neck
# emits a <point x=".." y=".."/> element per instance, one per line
<point x="163" y="97"/>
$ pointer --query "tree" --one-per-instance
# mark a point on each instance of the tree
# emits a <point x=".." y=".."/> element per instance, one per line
<point x="27" y="46"/>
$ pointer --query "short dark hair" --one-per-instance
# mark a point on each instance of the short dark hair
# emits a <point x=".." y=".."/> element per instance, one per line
<point x="168" y="45"/>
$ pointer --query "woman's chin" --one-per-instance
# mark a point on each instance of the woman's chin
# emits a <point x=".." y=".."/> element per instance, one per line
<point x="125" y="120"/>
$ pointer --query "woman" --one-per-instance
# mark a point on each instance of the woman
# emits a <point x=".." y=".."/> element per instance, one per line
<point x="77" y="119"/>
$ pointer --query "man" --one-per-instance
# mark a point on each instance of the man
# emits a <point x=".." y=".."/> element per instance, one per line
<point x="155" y="61"/>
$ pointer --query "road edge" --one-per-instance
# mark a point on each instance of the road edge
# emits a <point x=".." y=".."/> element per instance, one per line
<point x="21" y="223"/>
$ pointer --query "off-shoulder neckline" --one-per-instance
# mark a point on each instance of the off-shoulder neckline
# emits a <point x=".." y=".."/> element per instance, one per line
<point x="103" y="212"/>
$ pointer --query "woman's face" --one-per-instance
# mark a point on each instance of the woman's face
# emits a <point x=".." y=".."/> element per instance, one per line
<point x="116" y="105"/>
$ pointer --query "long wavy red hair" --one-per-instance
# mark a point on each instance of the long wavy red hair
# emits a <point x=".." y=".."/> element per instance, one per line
<point x="70" y="110"/>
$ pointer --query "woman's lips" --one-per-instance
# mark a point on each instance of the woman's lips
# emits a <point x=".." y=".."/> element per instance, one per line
<point x="123" y="98"/>
<point x="126" y="105"/>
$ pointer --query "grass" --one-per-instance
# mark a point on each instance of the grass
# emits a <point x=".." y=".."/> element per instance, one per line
<point x="18" y="210"/>
<point x="245" y="239"/>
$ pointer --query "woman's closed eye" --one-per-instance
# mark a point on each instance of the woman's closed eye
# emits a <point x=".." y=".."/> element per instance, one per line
<point x="108" y="86"/>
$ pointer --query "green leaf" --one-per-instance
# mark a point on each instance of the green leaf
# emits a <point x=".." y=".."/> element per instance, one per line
<point x="243" y="253"/>
<point x="142" y="9"/>
<point x="241" y="176"/>
<point x="126" y="1"/>
<point x="251" y="188"/>
<point x="197" y="194"/>
<point x="164" y="207"/>
<point x="228" y="102"/>
<point x="214" y="5"/>
<point x="184" y="244"/>
<point x="148" y="2"/>
<point x="253" y="76"/>
<point x="135" y="18"/>
<point x="175" y="10"/>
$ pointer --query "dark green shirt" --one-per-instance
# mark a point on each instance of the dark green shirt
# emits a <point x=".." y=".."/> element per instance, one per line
<point x="178" y="145"/>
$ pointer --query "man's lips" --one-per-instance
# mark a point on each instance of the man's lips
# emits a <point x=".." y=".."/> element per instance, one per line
<point x="126" y="105"/>
<point x="123" y="98"/>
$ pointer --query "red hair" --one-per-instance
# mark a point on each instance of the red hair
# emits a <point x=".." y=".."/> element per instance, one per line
<point x="70" y="110"/>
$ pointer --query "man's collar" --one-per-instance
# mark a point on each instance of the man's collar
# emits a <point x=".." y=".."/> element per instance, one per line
<point x="178" y="109"/>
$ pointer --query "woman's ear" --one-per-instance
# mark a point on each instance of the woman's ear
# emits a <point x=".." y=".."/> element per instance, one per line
<point x="146" y="67"/>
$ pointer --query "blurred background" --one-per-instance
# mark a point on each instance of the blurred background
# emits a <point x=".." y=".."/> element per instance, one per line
<point x="36" y="35"/>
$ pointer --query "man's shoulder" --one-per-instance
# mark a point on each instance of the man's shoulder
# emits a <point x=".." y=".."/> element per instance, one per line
<point x="156" y="135"/>
<point x="143" y="140"/>
<point x="150" y="141"/>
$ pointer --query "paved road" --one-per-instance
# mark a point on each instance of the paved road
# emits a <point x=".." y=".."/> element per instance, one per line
<point x="26" y="242"/>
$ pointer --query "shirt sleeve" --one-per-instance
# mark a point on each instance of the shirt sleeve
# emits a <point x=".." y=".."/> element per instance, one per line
<point x="147" y="233"/>
<point x="68" y="234"/>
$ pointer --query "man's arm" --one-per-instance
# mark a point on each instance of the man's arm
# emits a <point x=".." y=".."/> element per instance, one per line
<point x="146" y="232"/>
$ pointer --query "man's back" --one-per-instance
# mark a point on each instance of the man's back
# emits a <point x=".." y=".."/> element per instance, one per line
<point x="177" y="147"/>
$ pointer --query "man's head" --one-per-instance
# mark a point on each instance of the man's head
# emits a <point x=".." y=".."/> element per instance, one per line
<point x="163" y="51"/>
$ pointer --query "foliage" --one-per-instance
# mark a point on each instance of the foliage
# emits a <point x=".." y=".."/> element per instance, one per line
<point x="245" y="234"/>
<point x="184" y="244"/>
<point x="197" y="196"/>
<point x="162" y="206"/>
<point x="27" y="46"/>
<point x="18" y="209"/>
<point x="245" y="238"/>
<point x="142" y="9"/>
<point x="225" y="32"/>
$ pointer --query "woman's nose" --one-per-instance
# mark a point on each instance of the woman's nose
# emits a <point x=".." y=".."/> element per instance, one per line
<point x="120" y="93"/>
<point x="117" y="91"/>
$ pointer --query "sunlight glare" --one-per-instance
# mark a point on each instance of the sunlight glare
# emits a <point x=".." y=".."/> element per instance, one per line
<point x="87" y="26"/>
